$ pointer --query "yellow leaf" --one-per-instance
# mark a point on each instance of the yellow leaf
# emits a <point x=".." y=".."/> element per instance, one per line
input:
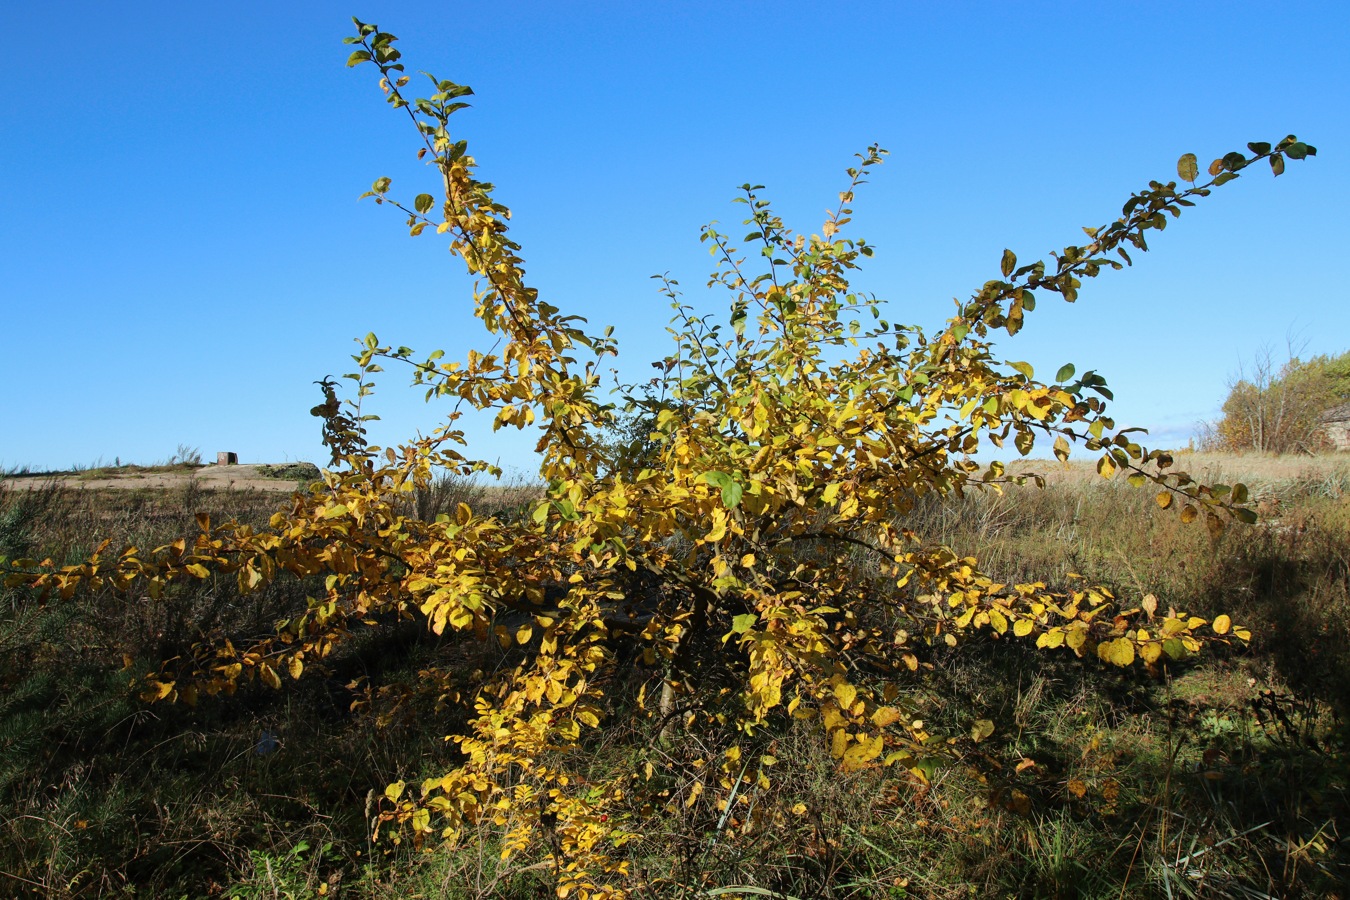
<point x="523" y="634"/>
<point x="421" y="820"/>
<point x="269" y="676"/>
<point x="297" y="665"/>
<point x="1164" y="499"/>
<point x="885" y="715"/>
<point x="1077" y="788"/>
<point x="1188" y="514"/>
<point x="395" y="790"/>
<point x="1022" y="627"/>
<point x="1106" y="466"/>
<point x="1222" y="624"/>
<point x="719" y="526"/>
<point x="862" y="753"/>
<point x="997" y="621"/>
<point x="981" y="729"/>
<point x="845" y="695"/>
<point x="1123" y="654"/>
<point x="1149" y="604"/>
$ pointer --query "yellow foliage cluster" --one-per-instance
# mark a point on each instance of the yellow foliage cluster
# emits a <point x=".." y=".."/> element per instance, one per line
<point x="789" y="443"/>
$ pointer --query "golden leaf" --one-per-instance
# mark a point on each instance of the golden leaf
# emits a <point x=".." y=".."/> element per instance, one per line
<point x="269" y="676"/>
<point x="884" y="716"/>
<point x="1106" y="466"/>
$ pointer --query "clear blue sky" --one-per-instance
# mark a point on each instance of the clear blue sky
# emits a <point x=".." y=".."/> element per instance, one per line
<point x="184" y="253"/>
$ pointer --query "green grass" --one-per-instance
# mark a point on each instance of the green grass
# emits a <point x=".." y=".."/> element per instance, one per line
<point x="1224" y="777"/>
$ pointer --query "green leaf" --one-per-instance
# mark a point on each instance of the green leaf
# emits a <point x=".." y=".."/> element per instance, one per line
<point x="1299" y="150"/>
<point x="358" y="57"/>
<point x="731" y="491"/>
<point x="1188" y="168"/>
<point x="423" y="202"/>
<point x="1025" y="368"/>
<point x="959" y="332"/>
<point x="717" y="479"/>
<point x="1065" y="373"/>
<point x="1260" y="148"/>
<point x="744" y="622"/>
<point x="1277" y="165"/>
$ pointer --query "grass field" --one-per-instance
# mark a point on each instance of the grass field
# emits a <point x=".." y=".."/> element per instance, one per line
<point x="1222" y="777"/>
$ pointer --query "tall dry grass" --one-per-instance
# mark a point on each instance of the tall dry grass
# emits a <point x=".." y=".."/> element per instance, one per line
<point x="1223" y="777"/>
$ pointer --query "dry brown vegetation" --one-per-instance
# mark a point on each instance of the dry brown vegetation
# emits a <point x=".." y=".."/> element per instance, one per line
<point x="1219" y="778"/>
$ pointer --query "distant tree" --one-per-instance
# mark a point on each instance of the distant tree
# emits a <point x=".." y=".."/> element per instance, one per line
<point x="1278" y="409"/>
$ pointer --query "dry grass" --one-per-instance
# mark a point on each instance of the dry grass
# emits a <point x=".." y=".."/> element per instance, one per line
<point x="1227" y="776"/>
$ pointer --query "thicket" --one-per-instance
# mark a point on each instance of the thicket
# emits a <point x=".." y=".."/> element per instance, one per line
<point x="757" y="573"/>
<point x="1278" y="408"/>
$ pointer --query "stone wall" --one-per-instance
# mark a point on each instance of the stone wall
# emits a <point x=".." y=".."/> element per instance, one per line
<point x="1336" y="426"/>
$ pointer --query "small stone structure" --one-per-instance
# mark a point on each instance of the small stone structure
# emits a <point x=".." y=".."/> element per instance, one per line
<point x="225" y="458"/>
<point x="1335" y="424"/>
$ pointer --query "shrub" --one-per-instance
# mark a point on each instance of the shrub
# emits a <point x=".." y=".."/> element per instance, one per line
<point x="752" y="566"/>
